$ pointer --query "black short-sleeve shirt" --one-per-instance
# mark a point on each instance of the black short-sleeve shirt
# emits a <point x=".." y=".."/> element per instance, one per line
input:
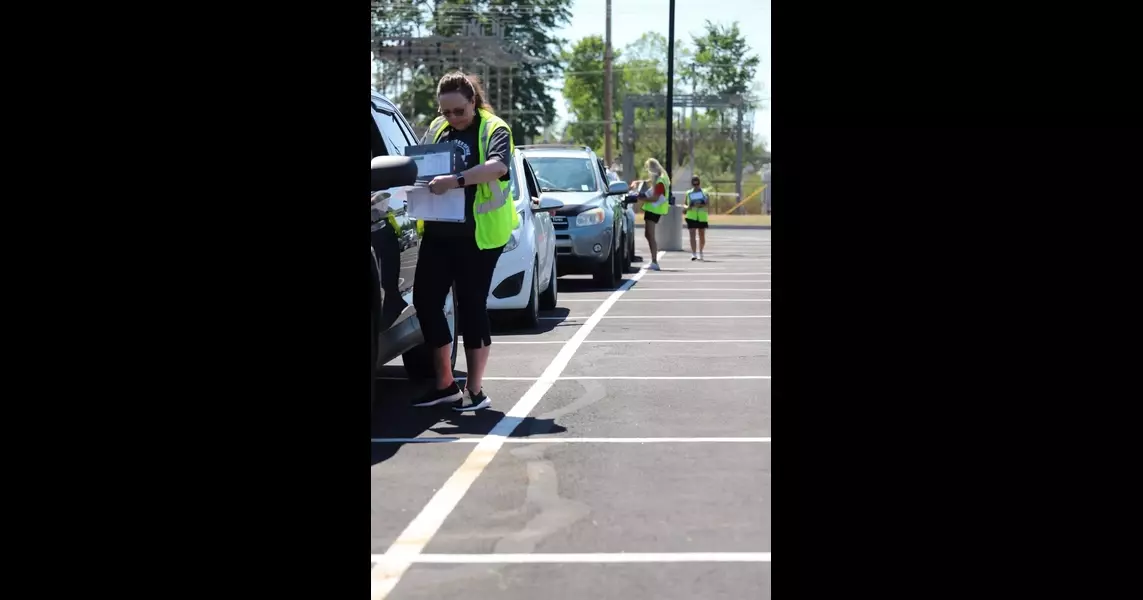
<point x="466" y="150"/>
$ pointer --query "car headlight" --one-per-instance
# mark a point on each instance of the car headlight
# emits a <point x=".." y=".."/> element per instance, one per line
<point x="589" y="217"/>
<point x="514" y="239"/>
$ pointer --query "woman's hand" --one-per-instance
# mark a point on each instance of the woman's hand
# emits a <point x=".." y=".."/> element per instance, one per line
<point x="442" y="183"/>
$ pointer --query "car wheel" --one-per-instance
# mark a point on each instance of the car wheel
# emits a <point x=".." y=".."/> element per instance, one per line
<point x="530" y="315"/>
<point x="551" y="295"/>
<point x="419" y="361"/>
<point x="605" y="274"/>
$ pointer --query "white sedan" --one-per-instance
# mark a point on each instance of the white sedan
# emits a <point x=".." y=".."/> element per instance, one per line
<point x="525" y="278"/>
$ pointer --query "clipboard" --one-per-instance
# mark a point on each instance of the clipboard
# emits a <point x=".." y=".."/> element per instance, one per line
<point x="434" y="160"/>
<point x="421" y="203"/>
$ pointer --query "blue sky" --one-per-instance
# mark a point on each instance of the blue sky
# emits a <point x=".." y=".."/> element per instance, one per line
<point x="631" y="18"/>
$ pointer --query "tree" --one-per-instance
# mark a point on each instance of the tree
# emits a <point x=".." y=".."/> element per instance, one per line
<point x="645" y="72"/>
<point x="722" y="63"/>
<point x="583" y="90"/>
<point x="532" y="107"/>
<point x="392" y="19"/>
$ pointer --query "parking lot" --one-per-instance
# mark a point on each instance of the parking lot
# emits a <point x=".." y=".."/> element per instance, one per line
<point x="626" y="452"/>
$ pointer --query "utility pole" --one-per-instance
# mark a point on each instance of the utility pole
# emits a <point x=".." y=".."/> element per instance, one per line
<point x="670" y="166"/>
<point x="607" y="92"/>
<point x="694" y="108"/>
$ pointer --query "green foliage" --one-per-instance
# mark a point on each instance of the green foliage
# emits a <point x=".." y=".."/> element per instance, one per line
<point x="584" y="90"/>
<point x="532" y="107"/>
<point x="638" y="69"/>
<point x="718" y="62"/>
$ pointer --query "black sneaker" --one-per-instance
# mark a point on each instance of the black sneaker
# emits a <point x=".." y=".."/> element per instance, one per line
<point x="449" y="394"/>
<point x="477" y="401"/>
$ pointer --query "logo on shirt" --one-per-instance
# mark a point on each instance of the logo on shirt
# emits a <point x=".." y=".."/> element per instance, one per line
<point x="465" y="150"/>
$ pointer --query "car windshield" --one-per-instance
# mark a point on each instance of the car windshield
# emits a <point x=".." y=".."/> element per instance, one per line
<point x="559" y="174"/>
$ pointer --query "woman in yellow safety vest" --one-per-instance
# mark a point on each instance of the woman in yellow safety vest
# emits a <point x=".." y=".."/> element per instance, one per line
<point x="697" y="218"/>
<point x="658" y="197"/>
<point x="464" y="254"/>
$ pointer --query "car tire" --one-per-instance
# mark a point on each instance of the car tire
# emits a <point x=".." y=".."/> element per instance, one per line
<point x="529" y="316"/>
<point x="419" y="361"/>
<point x="550" y="296"/>
<point x="605" y="273"/>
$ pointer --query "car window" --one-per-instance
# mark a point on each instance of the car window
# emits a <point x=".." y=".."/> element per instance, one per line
<point x="602" y="171"/>
<point x="533" y="185"/>
<point x="376" y="144"/>
<point x="514" y="177"/>
<point x="394" y="135"/>
<point x="565" y="174"/>
<point x="407" y="128"/>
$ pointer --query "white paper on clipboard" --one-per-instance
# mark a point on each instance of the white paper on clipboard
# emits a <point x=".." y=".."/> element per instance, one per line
<point x="424" y="205"/>
<point x="437" y="163"/>
<point x="433" y="159"/>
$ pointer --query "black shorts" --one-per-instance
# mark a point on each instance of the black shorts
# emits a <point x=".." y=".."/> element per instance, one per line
<point x="651" y="217"/>
<point x="696" y="224"/>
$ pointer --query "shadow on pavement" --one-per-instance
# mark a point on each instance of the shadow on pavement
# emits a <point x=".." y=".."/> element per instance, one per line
<point x="482" y="422"/>
<point x="505" y="324"/>
<point x="574" y="286"/>
<point x="394" y="418"/>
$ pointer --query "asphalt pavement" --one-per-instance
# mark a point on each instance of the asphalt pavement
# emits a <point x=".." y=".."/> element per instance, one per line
<point x="626" y="453"/>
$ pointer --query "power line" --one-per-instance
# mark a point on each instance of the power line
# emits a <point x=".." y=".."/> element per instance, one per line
<point x="617" y="68"/>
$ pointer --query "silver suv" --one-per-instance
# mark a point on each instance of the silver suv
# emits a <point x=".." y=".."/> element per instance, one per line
<point x="592" y="233"/>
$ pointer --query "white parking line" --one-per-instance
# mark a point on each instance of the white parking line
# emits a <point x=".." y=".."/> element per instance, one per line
<point x="495" y="342"/>
<point x="676" y="341"/>
<point x="661" y="317"/>
<point x="728" y="264"/>
<point x="571" y="440"/>
<point x="598" y="557"/>
<point x="576" y="377"/>
<point x="640" y="288"/>
<point x="629" y="377"/>
<point x="716" y="281"/>
<point x="408" y="546"/>
<point x="669" y="299"/>
<point x="652" y="287"/>
<point x="711" y="271"/>
<point x="457" y="377"/>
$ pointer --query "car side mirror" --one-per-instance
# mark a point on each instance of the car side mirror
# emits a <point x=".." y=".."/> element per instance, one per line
<point x="547" y="204"/>
<point x="617" y="188"/>
<point x="391" y="171"/>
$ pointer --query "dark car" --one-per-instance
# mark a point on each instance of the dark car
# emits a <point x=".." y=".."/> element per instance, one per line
<point x="394" y="243"/>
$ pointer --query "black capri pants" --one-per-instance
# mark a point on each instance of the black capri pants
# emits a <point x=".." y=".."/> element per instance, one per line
<point x="443" y="262"/>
